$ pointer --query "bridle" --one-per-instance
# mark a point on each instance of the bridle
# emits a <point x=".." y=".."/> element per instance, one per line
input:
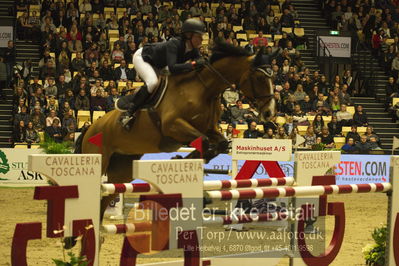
<point x="264" y="69"/>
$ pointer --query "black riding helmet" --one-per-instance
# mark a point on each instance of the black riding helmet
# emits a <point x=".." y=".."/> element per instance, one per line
<point x="193" y="25"/>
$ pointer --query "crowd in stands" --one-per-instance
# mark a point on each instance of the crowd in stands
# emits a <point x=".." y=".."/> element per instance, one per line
<point x="373" y="24"/>
<point x="86" y="65"/>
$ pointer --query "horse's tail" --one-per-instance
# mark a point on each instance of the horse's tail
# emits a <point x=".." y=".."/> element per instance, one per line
<point x="79" y="141"/>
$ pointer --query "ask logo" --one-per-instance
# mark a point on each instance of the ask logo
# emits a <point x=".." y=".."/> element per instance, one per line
<point x="4" y="166"/>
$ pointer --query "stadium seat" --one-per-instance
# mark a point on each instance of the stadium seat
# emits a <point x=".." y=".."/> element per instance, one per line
<point x="361" y="130"/>
<point x="287" y="30"/>
<point x="260" y="128"/>
<point x="345" y="130"/>
<point x="121" y="85"/>
<point x="339" y="142"/>
<point x="300" y="32"/>
<point x="41" y="136"/>
<point x="83" y="116"/>
<point x="224" y="126"/>
<point x="350" y="109"/>
<point x="394" y="101"/>
<point x="137" y="84"/>
<point x="245" y="106"/>
<point x="242" y="36"/>
<point x="252" y="36"/>
<point x="97" y="115"/>
<point x="237" y="28"/>
<point x="302" y="130"/>
<point x="327" y="119"/>
<point x="241" y="128"/>
<point x="280" y="120"/>
<point x="113" y="33"/>
<point x="21" y="146"/>
<point x="243" y="43"/>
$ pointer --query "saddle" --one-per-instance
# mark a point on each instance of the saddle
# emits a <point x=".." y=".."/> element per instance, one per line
<point x="151" y="103"/>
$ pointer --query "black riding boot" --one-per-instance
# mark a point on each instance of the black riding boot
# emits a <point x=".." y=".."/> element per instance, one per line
<point x="139" y="99"/>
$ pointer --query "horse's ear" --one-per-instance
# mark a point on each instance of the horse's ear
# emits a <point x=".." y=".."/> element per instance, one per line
<point x="258" y="61"/>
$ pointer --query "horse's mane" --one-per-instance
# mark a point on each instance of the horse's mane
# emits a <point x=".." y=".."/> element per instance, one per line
<point x="222" y="49"/>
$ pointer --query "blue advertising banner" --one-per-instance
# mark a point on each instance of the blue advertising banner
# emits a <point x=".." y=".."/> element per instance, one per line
<point x="353" y="169"/>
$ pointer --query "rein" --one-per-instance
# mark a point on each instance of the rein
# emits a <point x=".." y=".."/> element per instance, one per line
<point x="227" y="82"/>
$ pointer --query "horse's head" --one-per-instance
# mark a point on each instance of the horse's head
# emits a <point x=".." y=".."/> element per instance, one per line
<point x="256" y="84"/>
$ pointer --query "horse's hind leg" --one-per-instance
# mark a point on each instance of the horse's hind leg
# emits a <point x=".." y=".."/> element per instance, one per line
<point x="119" y="171"/>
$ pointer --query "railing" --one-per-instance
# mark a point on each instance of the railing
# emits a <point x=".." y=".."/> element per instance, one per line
<point x="325" y="59"/>
<point x="365" y="81"/>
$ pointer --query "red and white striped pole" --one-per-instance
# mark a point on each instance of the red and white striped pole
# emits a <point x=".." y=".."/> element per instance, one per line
<point x="260" y="193"/>
<point x="208" y="185"/>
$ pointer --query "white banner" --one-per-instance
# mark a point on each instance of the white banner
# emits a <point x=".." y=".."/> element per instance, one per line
<point x="262" y="149"/>
<point x="14" y="167"/>
<point x="338" y="46"/>
<point x="6" y="34"/>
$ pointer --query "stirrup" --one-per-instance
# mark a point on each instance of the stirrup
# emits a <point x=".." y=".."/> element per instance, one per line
<point x="127" y="121"/>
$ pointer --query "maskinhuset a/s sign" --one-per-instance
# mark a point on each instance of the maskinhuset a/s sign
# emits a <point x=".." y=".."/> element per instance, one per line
<point x="262" y="149"/>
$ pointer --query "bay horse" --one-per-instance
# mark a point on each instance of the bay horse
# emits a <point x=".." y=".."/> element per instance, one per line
<point x="190" y="109"/>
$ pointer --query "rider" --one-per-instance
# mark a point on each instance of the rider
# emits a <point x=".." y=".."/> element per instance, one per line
<point x="179" y="54"/>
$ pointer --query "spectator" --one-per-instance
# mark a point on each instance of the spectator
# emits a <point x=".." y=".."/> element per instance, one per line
<point x="51" y="117"/>
<point x="289" y="105"/>
<point x="370" y="133"/>
<point x="230" y="95"/>
<point x="374" y="145"/>
<point x="349" y="146"/>
<point x="281" y="133"/>
<point x="69" y="121"/>
<point x="392" y="91"/>
<point x="117" y="53"/>
<point x="321" y="106"/>
<point x="3" y="79"/>
<point x="123" y="73"/>
<point x="260" y="38"/>
<point x="98" y="102"/>
<point x="299" y="93"/>
<point x="363" y="147"/>
<point x="271" y="123"/>
<point x="54" y="131"/>
<point x="298" y="116"/>
<point x="38" y="119"/>
<point x="318" y="124"/>
<point x="310" y="137"/>
<point x="31" y="135"/>
<point x="9" y="58"/>
<point x="334" y="127"/>
<point x="111" y="99"/>
<point x="78" y="63"/>
<point x="22" y="116"/>
<point x="326" y="137"/>
<point x="353" y="134"/>
<point x="335" y="104"/>
<point x="360" y="118"/>
<point x="20" y="94"/>
<point x="306" y="105"/>
<point x="51" y="90"/>
<point x="269" y="134"/>
<point x="106" y="71"/>
<point x="239" y="115"/>
<point x="225" y="116"/>
<point x="252" y="132"/>
<point x="344" y="117"/>
<point x="82" y="102"/>
<point x="395" y="66"/>
<point x="19" y="132"/>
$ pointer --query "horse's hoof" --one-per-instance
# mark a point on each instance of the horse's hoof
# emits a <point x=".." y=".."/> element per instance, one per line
<point x="177" y="157"/>
<point x="69" y="242"/>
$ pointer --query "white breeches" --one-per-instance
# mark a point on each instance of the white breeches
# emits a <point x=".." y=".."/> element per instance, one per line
<point x="145" y="71"/>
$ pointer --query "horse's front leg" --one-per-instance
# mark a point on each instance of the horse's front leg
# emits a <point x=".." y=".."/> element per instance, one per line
<point x="217" y="141"/>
